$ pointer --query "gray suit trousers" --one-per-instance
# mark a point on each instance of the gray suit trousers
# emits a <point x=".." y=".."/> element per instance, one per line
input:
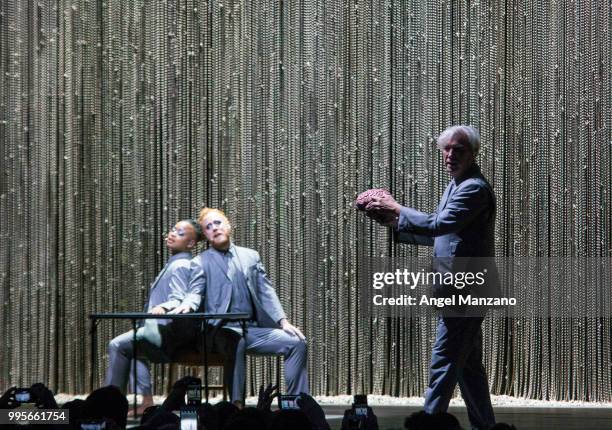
<point x="120" y="355"/>
<point x="271" y="341"/>
<point x="155" y="343"/>
<point x="161" y="344"/>
<point x="116" y="351"/>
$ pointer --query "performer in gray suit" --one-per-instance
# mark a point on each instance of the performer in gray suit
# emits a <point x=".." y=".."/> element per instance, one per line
<point x="166" y="293"/>
<point x="230" y="278"/>
<point x="461" y="231"/>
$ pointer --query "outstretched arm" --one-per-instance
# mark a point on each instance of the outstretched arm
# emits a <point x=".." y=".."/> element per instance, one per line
<point x="463" y="206"/>
<point x="386" y="211"/>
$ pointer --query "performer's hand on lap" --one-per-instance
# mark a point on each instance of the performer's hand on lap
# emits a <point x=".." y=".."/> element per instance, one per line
<point x="158" y="310"/>
<point x="291" y="329"/>
<point x="181" y="309"/>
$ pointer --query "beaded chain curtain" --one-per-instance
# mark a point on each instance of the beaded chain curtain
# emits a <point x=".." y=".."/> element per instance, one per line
<point x="117" y="118"/>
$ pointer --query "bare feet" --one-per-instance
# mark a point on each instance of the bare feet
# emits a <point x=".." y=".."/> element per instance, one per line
<point x="147" y="401"/>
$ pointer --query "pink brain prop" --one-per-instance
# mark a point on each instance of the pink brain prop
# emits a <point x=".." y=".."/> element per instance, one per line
<point x="364" y="198"/>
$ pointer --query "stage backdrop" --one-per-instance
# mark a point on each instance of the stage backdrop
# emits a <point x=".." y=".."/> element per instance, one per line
<point x="118" y="118"/>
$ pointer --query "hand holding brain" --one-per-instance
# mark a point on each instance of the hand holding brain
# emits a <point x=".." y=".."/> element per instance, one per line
<point x="382" y="216"/>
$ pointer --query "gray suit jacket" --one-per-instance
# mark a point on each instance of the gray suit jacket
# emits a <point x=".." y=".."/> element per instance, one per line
<point x="210" y="281"/>
<point x="170" y="286"/>
<point x="461" y="231"/>
<point x="168" y="289"/>
<point x="161" y="337"/>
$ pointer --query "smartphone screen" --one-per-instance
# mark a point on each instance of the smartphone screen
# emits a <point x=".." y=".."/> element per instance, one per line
<point x="93" y="425"/>
<point x="288" y="402"/>
<point x="360" y="405"/>
<point x="194" y="395"/>
<point x="361" y="410"/>
<point x="23" y="396"/>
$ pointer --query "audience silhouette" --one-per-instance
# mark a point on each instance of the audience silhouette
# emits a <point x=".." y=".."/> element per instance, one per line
<point x="107" y="409"/>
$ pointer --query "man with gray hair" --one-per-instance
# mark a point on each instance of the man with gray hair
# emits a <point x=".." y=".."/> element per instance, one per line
<point x="461" y="231"/>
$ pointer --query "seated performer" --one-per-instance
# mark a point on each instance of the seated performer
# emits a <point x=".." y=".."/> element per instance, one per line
<point x="233" y="279"/>
<point x="165" y="294"/>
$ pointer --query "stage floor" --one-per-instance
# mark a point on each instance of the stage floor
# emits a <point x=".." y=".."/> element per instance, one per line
<point x="523" y="418"/>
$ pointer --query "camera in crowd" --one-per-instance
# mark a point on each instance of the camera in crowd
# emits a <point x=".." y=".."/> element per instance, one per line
<point x="23" y="395"/>
<point x="189" y="413"/>
<point x="98" y="424"/>
<point x="287" y="401"/>
<point x="194" y="393"/>
<point x="360" y="416"/>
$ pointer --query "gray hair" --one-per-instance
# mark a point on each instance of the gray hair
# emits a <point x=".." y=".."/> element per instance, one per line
<point x="463" y="134"/>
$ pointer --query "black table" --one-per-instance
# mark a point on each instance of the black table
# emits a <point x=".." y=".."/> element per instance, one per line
<point x="241" y="318"/>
